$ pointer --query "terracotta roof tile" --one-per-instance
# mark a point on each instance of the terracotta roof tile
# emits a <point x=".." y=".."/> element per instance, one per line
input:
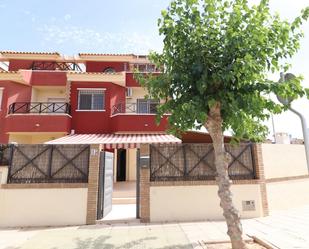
<point x="94" y="73"/>
<point x="8" y="72"/>
<point x="99" y="54"/>
<point x="20" y="52"/>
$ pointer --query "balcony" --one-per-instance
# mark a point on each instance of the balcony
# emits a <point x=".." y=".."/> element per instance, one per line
<point x="39" y="108"/>
<point x="141" y="107"/>
<point x="137" y="117"/>
<point x="38" y="117"/>
<point x="57" y="66"/>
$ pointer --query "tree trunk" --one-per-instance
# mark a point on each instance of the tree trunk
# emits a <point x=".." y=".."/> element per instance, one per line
<point x="214" y="127"/>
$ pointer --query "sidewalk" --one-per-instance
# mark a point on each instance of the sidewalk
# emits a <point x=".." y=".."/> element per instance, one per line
<point x="289" y="229"/>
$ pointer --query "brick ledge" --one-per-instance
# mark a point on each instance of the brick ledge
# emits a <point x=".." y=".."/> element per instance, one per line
<point x="194" y="183"/>
<point x="43" y="185"/>
<point x="288" y="178"/>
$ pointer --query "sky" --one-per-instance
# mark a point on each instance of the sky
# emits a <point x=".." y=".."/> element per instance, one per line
<point x="121" y="26"/>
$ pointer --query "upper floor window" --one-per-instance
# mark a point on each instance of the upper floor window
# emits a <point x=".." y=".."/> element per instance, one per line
<point x="91" y="99"/>
<point x="109" y="70"/>
<point x="1" y="94"/>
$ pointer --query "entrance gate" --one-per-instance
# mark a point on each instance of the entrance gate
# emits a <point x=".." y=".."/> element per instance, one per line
<point x="105" y="191"/>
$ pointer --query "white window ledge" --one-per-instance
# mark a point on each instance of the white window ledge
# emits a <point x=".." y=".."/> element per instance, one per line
<point x="90" y="110"/>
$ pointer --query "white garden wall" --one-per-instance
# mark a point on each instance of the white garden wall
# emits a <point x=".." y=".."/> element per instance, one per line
<point x="284" y="160"/>
<point x="199" y="202"/>
<point x="42" y="206"/>
<point x="287" y="194"/>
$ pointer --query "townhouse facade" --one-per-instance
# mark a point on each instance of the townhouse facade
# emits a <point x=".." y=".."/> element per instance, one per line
<point x="45" y="96"/>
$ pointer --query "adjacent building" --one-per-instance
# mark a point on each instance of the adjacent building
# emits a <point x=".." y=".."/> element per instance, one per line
<point x="44" y="96"/>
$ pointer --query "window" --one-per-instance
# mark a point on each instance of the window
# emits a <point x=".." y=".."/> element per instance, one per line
<point x="129" y="92"/>
<point x="147" y="105"/>
<point x="1" y="94"/>
<point x="91" y="99"/>
<point x="109" y="70"/>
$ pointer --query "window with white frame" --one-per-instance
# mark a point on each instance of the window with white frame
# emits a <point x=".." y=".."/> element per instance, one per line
<point x="147" y="106"/>
<point x="1" y="94"/>
<point x="91" y="99"/>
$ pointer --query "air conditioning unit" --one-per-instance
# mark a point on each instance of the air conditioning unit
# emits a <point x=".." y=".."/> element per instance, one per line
<point x="129" y="92"/>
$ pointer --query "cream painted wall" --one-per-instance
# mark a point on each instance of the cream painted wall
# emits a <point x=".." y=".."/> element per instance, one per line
<point x="42" y="95"/>
<point x="34" y="93"/>
<point x="21" y="139"/>
<point x="283" y="160"/>
<point x="34" y="138"/>
<point x="39" y="139"/>
<point x="287" y="194"/>
<point x="4" y="170"/>
<point x="192" y="203"/>
<point x="43" y="207"/>
<point x="131" y="165"/>
<point x="137" y="93"/>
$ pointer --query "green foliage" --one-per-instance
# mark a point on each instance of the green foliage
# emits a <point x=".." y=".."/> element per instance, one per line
<point x="222" y="51"/>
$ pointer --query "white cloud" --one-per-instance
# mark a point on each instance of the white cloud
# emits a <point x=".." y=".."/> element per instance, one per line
<point x="67" y="17"/>
<point x="90" y="39"/>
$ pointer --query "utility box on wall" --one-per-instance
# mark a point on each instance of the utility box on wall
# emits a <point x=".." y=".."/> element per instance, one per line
<point x="248" y="205"/>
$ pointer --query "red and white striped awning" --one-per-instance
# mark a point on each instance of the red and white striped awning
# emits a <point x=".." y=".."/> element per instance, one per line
<point x="117" y="141"/>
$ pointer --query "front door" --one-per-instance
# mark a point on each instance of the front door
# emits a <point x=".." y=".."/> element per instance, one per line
<point x="105" y="193"/>
<point x="121" y="165"/>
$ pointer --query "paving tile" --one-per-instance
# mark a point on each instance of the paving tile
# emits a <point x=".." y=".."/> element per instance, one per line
<point x="286" y="230"/>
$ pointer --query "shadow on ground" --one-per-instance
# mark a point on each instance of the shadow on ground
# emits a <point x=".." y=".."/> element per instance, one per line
<point x="101" y="243"/>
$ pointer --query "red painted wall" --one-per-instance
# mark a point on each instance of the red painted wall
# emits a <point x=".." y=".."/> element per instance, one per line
<point x="95" y="121"/>
<point x="38" y="123"/>
<point x="137" y="123"/>
<point x="130" y="81"/>
<point x="13" y="92"/>
<point x="47" y="78"/>
<point x="95" y="66"/>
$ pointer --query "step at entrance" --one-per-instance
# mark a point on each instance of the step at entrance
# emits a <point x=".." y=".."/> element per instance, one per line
<point x="124" y="200"/>
<point x="119" y="222"/>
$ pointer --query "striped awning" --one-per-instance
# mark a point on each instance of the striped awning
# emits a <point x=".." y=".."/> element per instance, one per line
<point x="117" y="141"/>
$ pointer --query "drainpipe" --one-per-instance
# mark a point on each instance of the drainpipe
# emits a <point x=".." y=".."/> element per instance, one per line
<point x="305" y="132"/>
<point x="302" y="118"/>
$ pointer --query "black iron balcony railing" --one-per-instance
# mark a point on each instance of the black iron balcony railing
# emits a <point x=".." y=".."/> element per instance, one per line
<point x="142" y="107"/>
<point x="53" y="65"/>
<point x="39" y="107"/>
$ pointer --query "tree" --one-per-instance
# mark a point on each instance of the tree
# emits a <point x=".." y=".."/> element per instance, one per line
<point x="215" y="62"/>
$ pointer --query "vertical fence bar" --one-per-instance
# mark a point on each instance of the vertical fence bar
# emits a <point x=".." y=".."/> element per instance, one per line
<point x="50" y="161"/>
<point x="12" y="147"/>
<point x="252" y="151"/>
<point x="138" y="183"/>
<point x="185" y="166"/>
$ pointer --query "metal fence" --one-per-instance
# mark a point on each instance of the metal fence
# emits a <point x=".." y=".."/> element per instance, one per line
<point x="187" y="162"/>
<point x="39" y="107"/>
<point x="5" y="154"/>
<point x="42" y="163"/>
